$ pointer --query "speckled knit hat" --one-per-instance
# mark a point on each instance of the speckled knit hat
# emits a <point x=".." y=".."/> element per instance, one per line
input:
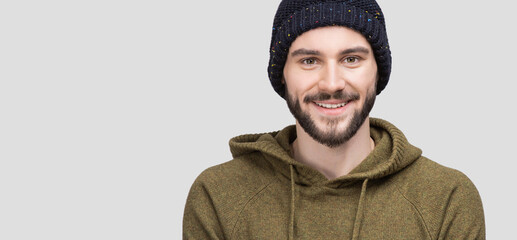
<point x="295" y="17"/>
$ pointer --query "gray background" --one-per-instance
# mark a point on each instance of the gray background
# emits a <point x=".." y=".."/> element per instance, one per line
<point x="110" y="109"/>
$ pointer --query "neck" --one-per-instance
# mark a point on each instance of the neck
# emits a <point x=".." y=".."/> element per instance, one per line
<point x="337" y="161"/>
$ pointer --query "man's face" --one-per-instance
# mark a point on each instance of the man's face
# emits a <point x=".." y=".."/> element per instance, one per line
<point x="330" y="76"/>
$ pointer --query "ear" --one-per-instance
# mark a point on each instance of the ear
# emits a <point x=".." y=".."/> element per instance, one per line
<point x="283" y="80"/>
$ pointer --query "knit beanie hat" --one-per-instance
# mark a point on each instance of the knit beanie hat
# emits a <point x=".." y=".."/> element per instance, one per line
<point x="295" y="17"/>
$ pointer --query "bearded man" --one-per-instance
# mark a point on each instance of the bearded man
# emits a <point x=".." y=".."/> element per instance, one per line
<point x="336" y="173"/>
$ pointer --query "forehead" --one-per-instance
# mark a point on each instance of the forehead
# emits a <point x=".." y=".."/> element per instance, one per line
<point x="330" y="39"/>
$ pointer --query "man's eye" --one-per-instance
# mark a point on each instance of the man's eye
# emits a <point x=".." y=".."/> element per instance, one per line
<point x="351" y="60"/>
<point x="309" y="61"/>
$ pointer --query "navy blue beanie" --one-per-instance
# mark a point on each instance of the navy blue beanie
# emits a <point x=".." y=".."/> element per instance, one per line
<point x="295" y="17"/>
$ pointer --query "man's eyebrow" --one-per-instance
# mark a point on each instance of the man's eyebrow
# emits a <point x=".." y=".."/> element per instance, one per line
<point x="355" y="50"/>
<point x="303" y="51"/>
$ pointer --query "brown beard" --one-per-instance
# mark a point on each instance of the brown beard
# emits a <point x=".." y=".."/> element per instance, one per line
<point x="332" y="138"/>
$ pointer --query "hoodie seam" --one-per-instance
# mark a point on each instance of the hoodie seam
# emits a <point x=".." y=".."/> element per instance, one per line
<point x="420" y="215"/>
<point x="246" y="204"/>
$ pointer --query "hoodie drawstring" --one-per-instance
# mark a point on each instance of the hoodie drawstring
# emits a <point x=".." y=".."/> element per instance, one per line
<point x="360" y="211"/>
<point x="291" y="221"/>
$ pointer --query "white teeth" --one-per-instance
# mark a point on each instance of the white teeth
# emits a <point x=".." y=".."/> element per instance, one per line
<point x="324" y="105"/>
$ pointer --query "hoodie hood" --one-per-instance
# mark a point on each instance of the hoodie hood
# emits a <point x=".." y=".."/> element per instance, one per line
<point x="392" y="153"/>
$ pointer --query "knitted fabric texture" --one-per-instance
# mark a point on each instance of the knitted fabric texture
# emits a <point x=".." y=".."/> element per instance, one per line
<point x="295" y="17"/>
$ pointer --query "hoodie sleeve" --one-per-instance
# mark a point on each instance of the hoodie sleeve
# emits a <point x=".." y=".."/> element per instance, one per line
<point x="464" y="218"/>
<point x="200" y="220"/>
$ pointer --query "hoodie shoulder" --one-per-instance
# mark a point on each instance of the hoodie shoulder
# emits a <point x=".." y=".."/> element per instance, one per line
<point x="447" y="200"/>
<point x="220" y="193"/>
<point x="248" y="171"/>
<point x="425" y="172"/>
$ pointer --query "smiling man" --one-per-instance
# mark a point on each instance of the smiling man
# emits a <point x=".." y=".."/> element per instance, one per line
<point x="336" y="173"/>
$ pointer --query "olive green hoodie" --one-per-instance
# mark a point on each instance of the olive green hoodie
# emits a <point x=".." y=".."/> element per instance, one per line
<point x="395" y="193"/>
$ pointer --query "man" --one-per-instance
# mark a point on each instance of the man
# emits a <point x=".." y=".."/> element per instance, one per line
<point x="337" y="173"/>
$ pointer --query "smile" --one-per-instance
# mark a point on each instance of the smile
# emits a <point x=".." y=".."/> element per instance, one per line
<point x="331" y="106"/>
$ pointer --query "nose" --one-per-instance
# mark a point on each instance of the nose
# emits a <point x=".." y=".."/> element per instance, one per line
<point x="332" y="78"/>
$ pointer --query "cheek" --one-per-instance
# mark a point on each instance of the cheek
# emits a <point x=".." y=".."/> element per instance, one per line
<point x="365" y="77"/>
<point x="297" y="81"/>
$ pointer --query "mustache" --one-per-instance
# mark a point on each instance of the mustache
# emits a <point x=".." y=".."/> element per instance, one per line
<point x="341" y="95"/>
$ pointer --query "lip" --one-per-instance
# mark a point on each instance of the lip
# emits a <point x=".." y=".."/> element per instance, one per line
<point x="331" y="101"/>
<point x="331" y="111"/>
